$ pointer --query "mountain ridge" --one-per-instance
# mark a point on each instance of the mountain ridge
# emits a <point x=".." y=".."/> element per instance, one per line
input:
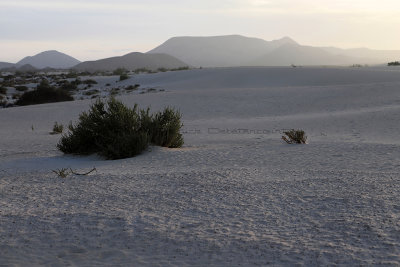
<point x="237" y="50"/>
<point x="131" y="61"/>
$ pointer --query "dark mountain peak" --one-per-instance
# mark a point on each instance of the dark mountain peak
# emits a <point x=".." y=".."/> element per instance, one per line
<point x="50" y="58"/>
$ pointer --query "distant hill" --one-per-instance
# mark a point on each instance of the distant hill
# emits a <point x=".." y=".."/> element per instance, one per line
<point x="4" y="65"/>
<point x="132" y="61"/>
<point x="23" y="68"/>
<point x="218" y="51"/>
<point x="50" y="59"/>
<point x="236" y="50"/>
<point x="289" y="54"/>
<point x="26" y="68"/>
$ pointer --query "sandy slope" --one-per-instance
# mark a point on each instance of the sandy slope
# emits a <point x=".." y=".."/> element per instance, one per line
<point x="224" y="198"/>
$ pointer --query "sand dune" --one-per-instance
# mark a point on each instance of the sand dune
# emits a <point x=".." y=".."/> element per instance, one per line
<point x="226" y="198"/>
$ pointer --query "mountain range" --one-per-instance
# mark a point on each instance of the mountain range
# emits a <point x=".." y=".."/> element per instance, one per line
<point x="236" y="50"/>
<point x="214" y="51"/>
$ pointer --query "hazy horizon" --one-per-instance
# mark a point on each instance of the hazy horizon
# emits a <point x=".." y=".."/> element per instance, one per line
<point x="90" y="30"/>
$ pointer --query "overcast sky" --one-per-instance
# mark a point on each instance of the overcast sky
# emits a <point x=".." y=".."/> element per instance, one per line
<point x="93" y="29"/>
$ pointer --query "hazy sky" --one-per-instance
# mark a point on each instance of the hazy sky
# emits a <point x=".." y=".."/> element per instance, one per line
<point x="93" y="29"/>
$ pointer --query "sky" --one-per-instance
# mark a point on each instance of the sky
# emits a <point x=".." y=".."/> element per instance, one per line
<point x="94" y="29"/>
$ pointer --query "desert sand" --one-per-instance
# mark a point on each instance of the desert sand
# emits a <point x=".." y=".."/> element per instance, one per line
<point x="235" y="194"/>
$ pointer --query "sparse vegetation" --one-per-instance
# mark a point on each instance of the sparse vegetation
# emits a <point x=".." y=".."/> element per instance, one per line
<point x="89" y="81"/>
<point x="91" y="92"/>
<point x="394" y="63"/>
<point x="115" y="131"/>
<point x="142" y="70"/>
<point x="69" y="86"/>
<point x="16" y="96"/>
<point x="3" y="90"/>
<point x="57" y="128"/>
<point x="295" y="137"/>
<point x="63" y="172"/>
<point x="180" y="68"/>
<point x="120" y="71"/>
<point x="21" y="88"/>
<point x="44" y="93"/>
<point x="132" y="87"/>
<point x="124" y="76"/>
<point x="72" y="74"/>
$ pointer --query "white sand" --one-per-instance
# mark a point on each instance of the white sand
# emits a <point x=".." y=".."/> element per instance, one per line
<point x="223" y="199"/>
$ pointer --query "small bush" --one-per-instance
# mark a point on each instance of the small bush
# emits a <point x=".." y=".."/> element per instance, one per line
<point x="69" y="86"/>
<point x="44" y="93"/>
<point x="21" y="88"/>
<point x="76" y="82"/>
<point x="394" y="63"/>
<point x="165" y="128"/>
<point x="132" y="87"/>
<point x="72" y="74"/>
<point x="89" y="81"/>
<point x="295" y="137"/>
<point x="3" y="90"/>
<point x="120" y="71"/>
<point x="115" y="131"/>
<point x="123" y="77"/>
<point x="137" y="71"/>
<point x="180" y="68"/>
<point x="16" y="96"/>
<point x="91" y="92"/>
<point x="57" y="128"/>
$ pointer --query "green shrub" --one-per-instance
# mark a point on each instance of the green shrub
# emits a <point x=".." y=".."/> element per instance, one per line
<point x="69" y="86"/>
<point x="123" y="77"/>
<point x="3" y="90"/>
<point x="180" y="68"/>
<point x="44" y="93"/>
<point x="109" y="129"/>
<point x="115" y="131"/>
<point x="295" y="137"/>
<point x="137" y="71"/>
<point x="21" y="88"/>
<point x="394" y="63"/>
<point x="72" y="74"/>
<point x="76" y="82"/>
<point x="89" y="81"/>
<point x="165" y="128"/>
<point x="57" y="128"/>
<point x="132" y="87"/>
<point x="120" y="71"/>
<point x="91" y="92"/>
